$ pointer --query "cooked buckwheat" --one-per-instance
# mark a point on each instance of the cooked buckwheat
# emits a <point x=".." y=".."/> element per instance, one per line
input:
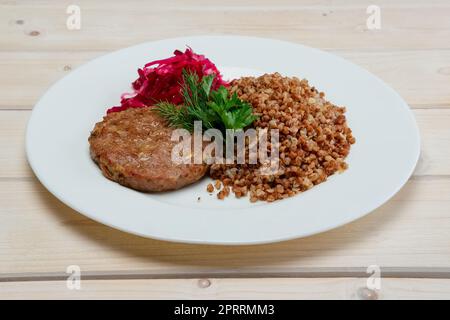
<point x="313" y="135"/>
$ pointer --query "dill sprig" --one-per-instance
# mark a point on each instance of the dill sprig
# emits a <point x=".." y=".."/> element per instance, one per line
<point x="215" y="108"/>
<point x="174" y="115"/>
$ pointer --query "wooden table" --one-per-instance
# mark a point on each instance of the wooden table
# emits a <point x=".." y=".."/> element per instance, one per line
<point x="408" y="237"/>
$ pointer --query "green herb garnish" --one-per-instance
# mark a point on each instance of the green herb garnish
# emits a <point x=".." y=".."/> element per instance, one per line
<point x="215" y="108"/>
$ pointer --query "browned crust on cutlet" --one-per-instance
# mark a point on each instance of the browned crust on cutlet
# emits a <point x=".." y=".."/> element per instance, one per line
<point x="133" y="148"/>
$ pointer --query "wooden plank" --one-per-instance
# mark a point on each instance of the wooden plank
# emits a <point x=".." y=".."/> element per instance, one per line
<point x="435" y="132"/>
<point x="13" y="161"/>
<point x="212" y="5"/>
<point x="39" y="234"/>
<point x="109" y="25"/>
<point x="210" y="289"/>
<point x="433" y="125"/>
<point x="421" y="77"/>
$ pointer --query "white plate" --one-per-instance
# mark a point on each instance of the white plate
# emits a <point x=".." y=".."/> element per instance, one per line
<point x="381" y="161"/>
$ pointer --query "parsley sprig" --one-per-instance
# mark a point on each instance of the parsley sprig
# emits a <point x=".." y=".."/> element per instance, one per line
<point x="215" y="108"/>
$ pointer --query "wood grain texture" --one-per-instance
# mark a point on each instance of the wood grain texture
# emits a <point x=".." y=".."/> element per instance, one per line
<point x="109" y="25"/>
<point x="421" y="77"/>
<point x="210" y="289"/>
<point x="40" y="234"/>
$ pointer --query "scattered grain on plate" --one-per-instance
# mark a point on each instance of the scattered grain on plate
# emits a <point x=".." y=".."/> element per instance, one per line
<point x="223" y="193"/>
<point x="314" y="139"/>
<point x="210" y="188"/>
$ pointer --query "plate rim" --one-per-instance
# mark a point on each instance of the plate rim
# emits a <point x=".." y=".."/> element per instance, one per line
<point x="342" y="222"/>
